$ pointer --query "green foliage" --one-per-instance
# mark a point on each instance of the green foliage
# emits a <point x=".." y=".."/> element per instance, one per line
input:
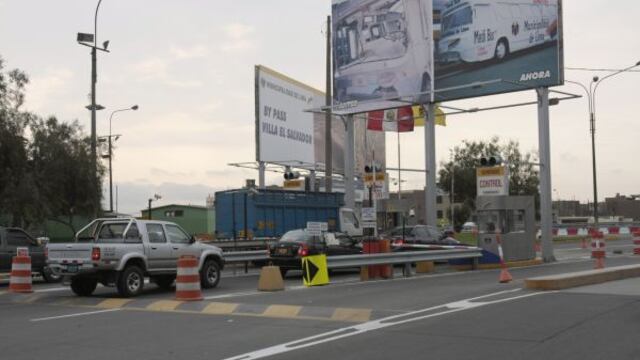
<point x="45" y="165"/>
<point x="465" y="159"/>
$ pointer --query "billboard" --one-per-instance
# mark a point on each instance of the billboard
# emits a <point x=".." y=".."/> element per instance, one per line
<point x="284" y="131"/>
<point x="287" y="134"/>
<point x="485" y="47"/>
<point x="382" y="51"/>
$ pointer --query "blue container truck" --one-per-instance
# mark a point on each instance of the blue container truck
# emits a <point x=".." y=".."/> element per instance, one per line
<point x="249" y="213"/>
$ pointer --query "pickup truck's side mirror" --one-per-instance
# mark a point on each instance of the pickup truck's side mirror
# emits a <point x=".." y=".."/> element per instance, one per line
<point x="192" y="239"/>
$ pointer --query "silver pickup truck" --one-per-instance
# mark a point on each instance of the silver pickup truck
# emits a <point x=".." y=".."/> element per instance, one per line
<point x="121" y="252"/>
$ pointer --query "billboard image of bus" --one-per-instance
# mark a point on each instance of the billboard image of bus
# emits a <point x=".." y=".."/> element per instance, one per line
<point x="487" y="47"/>
<point x="479" y="30"/>
<point x="382" y="50"/>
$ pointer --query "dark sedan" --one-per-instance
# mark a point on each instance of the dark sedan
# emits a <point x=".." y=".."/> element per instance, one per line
<point x="295" y="244"/>
<point x="420" y="235"/>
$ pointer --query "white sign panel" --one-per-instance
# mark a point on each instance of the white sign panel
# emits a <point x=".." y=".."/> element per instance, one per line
<point x="317" y="228"/>
<point x="22" y="251"/>
<point x="368" y="214"/>
<point x="492" y="181"/>
<point x="284" y="131"/>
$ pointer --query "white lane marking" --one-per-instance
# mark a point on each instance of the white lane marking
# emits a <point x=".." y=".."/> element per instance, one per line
<point x="341" y="333"/>
<point x="51" y="289"/>
<point x="74" y="315"/>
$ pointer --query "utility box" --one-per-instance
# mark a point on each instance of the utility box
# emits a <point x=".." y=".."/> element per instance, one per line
<point x="511" y="219"/>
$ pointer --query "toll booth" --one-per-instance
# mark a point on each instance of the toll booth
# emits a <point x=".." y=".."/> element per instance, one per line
<point x="510" y="219"/>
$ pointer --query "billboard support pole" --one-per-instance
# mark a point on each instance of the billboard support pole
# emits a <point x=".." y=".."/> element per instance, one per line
<point x="544" y="149"/>
<point x="328" y="143"/>
<point x="261" y="170"/>
<point x="349" y="164"/>
<point x="430" y="165"/>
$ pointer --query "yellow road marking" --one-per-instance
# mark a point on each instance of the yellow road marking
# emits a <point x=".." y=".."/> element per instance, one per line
<point x="352" y="315"/>
<point x="33" y="298"/>
<point x="113" y="303"/>
<point x="220" y="308"/>
<point x="286" y="311"/>
<point x="164" y="305"/>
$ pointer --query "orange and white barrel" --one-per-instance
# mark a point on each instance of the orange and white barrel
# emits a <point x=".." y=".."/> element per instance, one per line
<point x="20" y="280"/>
<point x="636" y="242"/>
<point x="188" y="279"/>
<point x="598" y="249"/>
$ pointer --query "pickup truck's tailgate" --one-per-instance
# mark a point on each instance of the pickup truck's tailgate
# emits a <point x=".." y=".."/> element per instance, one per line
<point x="70" y="252"/>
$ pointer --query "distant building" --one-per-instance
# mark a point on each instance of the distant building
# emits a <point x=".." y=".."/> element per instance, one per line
<point x="196" y="220"/>
<point x="623" y="206"/>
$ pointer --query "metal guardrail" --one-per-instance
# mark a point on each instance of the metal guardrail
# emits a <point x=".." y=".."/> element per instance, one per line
<point x="245" y="256"/>
<point x="347" y="261"/>
<point x="404" y="257"/>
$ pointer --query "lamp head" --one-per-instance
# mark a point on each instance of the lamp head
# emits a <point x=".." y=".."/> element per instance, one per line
<point x="595" y="79"/>
<point x="134" y="107"/>
<point x="105" y="45"/>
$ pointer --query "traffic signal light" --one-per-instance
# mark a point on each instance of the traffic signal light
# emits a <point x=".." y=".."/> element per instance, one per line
<point x="291" y="175"/>
<point x="369" y="169"/>
<point x="493" y="160"/>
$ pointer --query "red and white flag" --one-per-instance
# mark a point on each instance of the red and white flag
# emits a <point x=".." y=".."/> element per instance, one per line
<point x="396" y="120"/>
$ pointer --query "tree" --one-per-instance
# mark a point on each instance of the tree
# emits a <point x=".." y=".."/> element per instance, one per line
<point x="465" y="159"/>
<point x="45" y="165"/>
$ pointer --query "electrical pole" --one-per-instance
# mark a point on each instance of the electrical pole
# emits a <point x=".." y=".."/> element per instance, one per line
<point x="328" y="143"/>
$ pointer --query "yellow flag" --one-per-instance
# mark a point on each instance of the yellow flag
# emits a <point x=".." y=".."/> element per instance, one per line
<point x="418" y="116"/>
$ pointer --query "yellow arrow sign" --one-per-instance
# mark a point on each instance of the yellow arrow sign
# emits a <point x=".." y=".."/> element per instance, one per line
<point x="314" y="270"/>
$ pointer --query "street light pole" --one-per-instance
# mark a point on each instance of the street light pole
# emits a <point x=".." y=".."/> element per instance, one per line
<point x="94" y="80"/>
<point x="591" y="96"/>
<point x="134" y="107"/>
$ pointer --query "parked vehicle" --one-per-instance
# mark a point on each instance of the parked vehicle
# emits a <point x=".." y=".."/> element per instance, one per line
<point x="246" y="214"/>
<point x="420" y="235"/>
<point x="478" y="30"/>
<point x="122" y="252"/>
<point x="295" y="244"/>
<point x="13" y="238"/>
<point x="469" y="227"/>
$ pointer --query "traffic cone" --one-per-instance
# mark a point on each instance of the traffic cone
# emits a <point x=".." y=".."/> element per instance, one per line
<point x="584" y="243"/>
<point x="505" y="276"/>
<point x="20" y="280"/>
<point x="188" y="279"/>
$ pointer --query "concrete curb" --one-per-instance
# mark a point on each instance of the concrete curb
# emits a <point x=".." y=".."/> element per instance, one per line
<point x="581" y="278"/>
<point x="510" y="264"/>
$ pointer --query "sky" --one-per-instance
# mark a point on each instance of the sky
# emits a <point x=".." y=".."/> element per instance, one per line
<point x="189" y="65"/>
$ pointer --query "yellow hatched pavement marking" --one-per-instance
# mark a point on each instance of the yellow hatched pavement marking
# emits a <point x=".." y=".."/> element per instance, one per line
<point x="285" y="311"/>
<point x="113" y="303"/>
<point x="220" y="308"/>
<point x="352" y="315"/>
<point x="164" y="305"/>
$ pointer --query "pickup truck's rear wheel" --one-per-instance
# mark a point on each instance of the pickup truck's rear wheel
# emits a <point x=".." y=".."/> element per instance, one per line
<point x="130" y="281"/>
<point x="209" y="274"/>
<point x="83" y="286"/>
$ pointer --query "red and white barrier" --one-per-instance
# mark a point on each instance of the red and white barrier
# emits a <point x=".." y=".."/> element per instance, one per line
<point x="188" y="279"/>
<point x="20" y="280"/>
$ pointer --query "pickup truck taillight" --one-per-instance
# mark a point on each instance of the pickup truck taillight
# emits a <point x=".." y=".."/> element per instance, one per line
<point x="95" y="254"/>
<point x="303" y="251"/>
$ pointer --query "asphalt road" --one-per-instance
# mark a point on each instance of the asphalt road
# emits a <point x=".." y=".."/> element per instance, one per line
<point x="443" y="315"/>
